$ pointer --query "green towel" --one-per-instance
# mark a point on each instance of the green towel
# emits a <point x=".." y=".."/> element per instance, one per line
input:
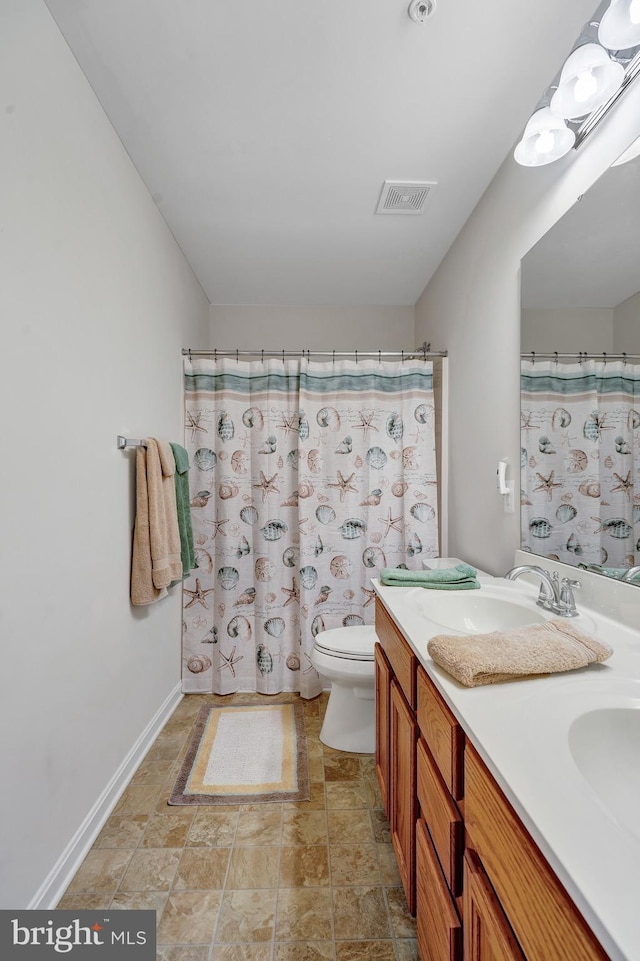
<point x="462" y="577"/>
<point x="184" y="510"/>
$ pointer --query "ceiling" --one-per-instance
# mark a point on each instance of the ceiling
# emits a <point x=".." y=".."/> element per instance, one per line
<point x="264" y="131"/>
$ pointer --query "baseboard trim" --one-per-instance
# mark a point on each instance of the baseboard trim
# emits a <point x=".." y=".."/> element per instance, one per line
<point x="58" y="879"/>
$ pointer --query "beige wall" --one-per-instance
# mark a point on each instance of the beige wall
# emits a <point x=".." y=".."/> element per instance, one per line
<point x="290" y="327"/>
<point x="626" y="326"/>
<point x="96" y="302"/>
<point x="570" y="330"/>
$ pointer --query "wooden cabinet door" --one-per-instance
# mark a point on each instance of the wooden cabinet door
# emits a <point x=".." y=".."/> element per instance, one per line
<point x="383" y="708"/>
<point x="487" y="934"/>
<point x="438" y="926"/>
<point x="404" y="806"/>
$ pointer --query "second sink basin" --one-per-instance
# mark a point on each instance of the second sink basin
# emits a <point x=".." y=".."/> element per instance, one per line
<point x="605" y="746"/>
<point x="476" y="612"/>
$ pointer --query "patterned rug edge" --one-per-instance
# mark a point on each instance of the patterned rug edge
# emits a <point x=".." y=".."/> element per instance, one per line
<point x="179" y="798"/>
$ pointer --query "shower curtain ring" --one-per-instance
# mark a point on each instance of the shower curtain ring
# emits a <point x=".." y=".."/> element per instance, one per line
<point x="604" y="357"/>
<point x="555" y="354"/>
<point x="402" y="357"/>
<point x="262" y="356"/>
<point x="356" y="356"/>
<point x="334" y="358"/>
<point x="624" y="359"/>
<point x="236" y="355"/>
<point x="379" y="356"/>
<point x="283" y="356"/>
<point x="533" y="357"/>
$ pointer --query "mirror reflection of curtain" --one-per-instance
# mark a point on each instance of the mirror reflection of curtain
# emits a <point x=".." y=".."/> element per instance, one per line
<point x="306" y="480"/>
<point x="580" y="461"/>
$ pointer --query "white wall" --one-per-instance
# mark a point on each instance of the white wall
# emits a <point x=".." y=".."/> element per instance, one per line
<point x="626" y="325"/>
<point x="96" y="302"/>
<point x="290" y="327"/>
<point x="472" y="307"/>
<point x="567" y="330"/>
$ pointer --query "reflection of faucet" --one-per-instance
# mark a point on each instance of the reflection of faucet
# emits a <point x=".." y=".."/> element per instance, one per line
<point x="553" y="596"/>
<point x="631" y="573"/>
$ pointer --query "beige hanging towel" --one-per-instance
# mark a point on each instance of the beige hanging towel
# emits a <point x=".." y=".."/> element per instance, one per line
<point x="548" y="648"/>
<point x="156" y="561"/>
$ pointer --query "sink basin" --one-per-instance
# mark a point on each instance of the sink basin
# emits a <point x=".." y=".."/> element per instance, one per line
<point x="476" y="612"/>
<point x="605" y="746"/>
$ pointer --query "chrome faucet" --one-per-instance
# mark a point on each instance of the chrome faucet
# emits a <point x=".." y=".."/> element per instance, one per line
<point x="630" y="574"/>
<point x="554" y="596"/>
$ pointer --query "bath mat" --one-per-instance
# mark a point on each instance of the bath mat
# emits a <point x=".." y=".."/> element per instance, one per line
<point x="245" y="754"/>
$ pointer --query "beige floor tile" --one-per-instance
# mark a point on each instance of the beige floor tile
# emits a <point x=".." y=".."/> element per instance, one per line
<point x="403" y="925"/>
<point x="84" y="902"/>
<point x="350" y="795"/>
<point x="253" y="866"/>
<point x="354" y="864"/>
<point x="122" y="831"/>
<point x="364" y="951"/>
<point x="316" y="769"/>
<point x="247" y="916"/>
<point x="380" y="826"/>
<point x="304" y="914"/>
<point x="388" y="865"/>
<point x="360" y="913"/>
<point x="260" y="827"/>
<point x="183" y="952"/>
<point x="138" y="799"/>
<point x="100" y="872"/>
<point x="153" y="772"/>
<point x="407" y="949"/>
<point x="151" y="870"/>
<point x="242" y="952"/>
<point x="202" y="869"/>
<point x="140" y="901"/>
<point x="304" y="866"/>
<point x="317" y="799"/>
<point x="168" y="830"/>
<point x="304" y="827"/>
<point x="213" y="829"/>
<point x="304" y="951"/>
<point x="341" y="768"/>
<point x="189" y="917"/>
<point x="368" y="767"/>
<point x="349" y="827"/>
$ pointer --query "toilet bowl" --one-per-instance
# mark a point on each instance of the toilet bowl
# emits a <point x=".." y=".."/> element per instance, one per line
<point x="344" y="656"/>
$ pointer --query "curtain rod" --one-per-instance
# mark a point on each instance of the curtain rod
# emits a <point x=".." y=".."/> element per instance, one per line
<point x="580" y="355"/>
<point x="420" y="353"/>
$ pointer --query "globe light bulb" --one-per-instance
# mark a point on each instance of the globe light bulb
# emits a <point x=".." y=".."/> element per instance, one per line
<point x="544" y="143"/>
<point x="585" y="86"/>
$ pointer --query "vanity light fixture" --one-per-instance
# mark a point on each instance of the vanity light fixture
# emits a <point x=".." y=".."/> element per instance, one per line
<point x="546" y="138"/>
<point x="588" y="79"/>
<point x="620" y="26"/>
<point x="593" y="75"/>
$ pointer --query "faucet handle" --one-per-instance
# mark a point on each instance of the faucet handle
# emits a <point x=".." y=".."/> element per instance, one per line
<point x="567" y="600"/>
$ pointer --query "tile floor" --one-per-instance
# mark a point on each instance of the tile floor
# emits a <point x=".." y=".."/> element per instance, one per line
<point x="308" y="881"/>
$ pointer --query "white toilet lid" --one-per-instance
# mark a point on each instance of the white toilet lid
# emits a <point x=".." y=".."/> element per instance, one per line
<point x="355" y="643"/>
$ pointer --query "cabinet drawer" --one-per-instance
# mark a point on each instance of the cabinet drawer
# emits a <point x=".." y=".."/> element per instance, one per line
<point x="443" y="819"/>
<point x="442" y="733"/>
<point x="402" y="659"/>
<point x="538" y="907"/>
<point x="438" y="926"/>
<point x="487" y="932"/>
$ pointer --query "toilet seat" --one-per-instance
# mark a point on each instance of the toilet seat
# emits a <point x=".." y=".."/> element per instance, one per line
<point x="351" y="644"/>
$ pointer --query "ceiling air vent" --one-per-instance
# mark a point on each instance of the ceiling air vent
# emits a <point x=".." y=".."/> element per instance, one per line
<point x="406" y="197"/>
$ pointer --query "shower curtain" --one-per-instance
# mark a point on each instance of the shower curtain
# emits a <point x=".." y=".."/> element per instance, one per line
<point x="307" y="479"/>
<point x="580" y="459"/>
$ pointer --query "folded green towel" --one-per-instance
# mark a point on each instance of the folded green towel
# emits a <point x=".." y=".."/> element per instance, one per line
<point x="184" y="510"/>
<point x="462" y="577"/>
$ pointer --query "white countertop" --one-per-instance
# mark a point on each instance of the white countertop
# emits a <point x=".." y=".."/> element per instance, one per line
<point x="521" y="730"/>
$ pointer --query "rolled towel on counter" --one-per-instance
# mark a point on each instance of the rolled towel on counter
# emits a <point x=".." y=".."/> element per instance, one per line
<point x="462" y="577"/>
<point x="548" y="648"/>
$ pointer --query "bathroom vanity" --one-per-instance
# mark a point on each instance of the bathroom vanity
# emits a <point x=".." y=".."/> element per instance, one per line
<point x="511" y="839"/>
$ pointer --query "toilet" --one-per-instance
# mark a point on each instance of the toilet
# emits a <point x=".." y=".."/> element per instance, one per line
<point x="344" y="655"/>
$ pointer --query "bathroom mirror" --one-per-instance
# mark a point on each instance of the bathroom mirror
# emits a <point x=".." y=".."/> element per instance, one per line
<point x="580" y="458"/>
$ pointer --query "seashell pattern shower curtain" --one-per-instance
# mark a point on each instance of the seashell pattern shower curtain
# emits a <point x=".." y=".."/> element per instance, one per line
<point x="580" y="460"/>
<point x="307" y="479"/>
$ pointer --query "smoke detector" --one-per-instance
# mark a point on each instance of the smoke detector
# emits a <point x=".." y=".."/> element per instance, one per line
<point x="421" y="10"/>
<point x="403" y="197"/>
